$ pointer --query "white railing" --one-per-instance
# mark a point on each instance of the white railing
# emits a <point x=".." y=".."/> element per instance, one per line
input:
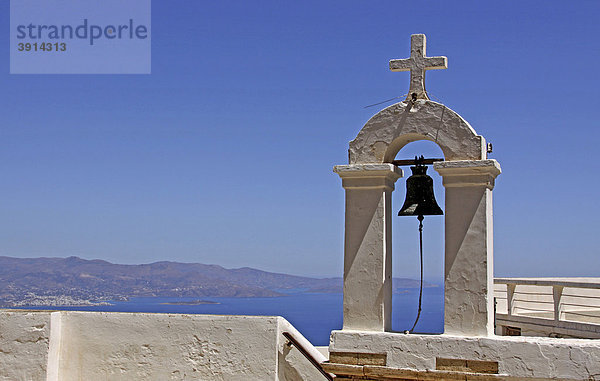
<point x="568" y="307"/>
<point x="308" y="351"/>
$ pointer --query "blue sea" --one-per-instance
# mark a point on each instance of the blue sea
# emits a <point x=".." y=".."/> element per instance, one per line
<point x="314" y="315"/>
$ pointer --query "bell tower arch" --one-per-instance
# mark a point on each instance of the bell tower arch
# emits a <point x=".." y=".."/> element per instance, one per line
<point x="368" y="180"/>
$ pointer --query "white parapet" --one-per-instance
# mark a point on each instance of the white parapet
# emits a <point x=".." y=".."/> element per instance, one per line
<point x="89" y="346"/>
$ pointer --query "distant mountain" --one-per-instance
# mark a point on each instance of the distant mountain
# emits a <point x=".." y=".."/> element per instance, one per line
<point x="76" y="281"/>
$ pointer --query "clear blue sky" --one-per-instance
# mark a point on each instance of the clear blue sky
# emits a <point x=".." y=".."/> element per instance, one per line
<point x="224" y="154"/>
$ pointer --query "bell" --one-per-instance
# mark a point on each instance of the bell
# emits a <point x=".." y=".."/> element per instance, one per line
<point x="420" y="200"/>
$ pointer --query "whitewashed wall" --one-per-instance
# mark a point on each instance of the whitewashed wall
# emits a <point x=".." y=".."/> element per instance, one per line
<point x="24" y="340"/>
<point x="139" y="346"/>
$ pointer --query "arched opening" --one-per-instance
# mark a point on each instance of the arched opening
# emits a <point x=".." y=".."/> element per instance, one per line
<point x="405" y="249"/>
<point x="397" y="125"/>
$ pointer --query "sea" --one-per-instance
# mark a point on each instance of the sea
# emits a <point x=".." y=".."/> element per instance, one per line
<point x="315" y="315"/>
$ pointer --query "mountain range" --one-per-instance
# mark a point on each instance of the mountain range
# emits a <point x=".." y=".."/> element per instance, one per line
<point x="40" y="281"/>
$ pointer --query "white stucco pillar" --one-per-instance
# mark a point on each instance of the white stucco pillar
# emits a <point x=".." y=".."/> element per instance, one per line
<point x="368" y="245"/>
<point x="469" y="257"/>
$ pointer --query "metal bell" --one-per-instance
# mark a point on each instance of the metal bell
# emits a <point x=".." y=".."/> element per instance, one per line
<point x="420" y="200"/>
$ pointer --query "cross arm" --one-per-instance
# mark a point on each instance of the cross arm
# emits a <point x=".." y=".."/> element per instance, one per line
<point x="407" y="64"/>
<point x="436" y="62"/>
<point x="400" y="65"/>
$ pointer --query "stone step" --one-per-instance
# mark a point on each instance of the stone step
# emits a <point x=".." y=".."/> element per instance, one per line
<point x="384" y="373"/>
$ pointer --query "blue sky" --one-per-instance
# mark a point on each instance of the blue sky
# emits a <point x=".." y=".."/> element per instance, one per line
<point x="224" y="154"/>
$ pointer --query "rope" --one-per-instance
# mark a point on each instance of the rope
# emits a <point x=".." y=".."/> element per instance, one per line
<point x="420" y="218"/>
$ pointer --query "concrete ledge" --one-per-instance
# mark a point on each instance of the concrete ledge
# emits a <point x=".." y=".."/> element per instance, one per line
<point x="368" y="176"/>
<point x="517" y="357"/>
<point x="368" y="170"/>
<point x="466" y="173"/>
<point x="468" y="166"/>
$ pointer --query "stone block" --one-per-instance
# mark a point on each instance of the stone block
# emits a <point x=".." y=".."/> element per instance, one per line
<point x="344" y="369"/>
<point x="470" y="366"/>
<point x="350" y="358"/>
<point x="358" y="358"/>
<point x="372" y="359"/>
<point x="477" y="366"/>
<point x="456" y="365"/>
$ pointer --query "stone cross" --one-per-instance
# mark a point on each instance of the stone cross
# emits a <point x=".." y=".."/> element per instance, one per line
<point x="417" y="64"/>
